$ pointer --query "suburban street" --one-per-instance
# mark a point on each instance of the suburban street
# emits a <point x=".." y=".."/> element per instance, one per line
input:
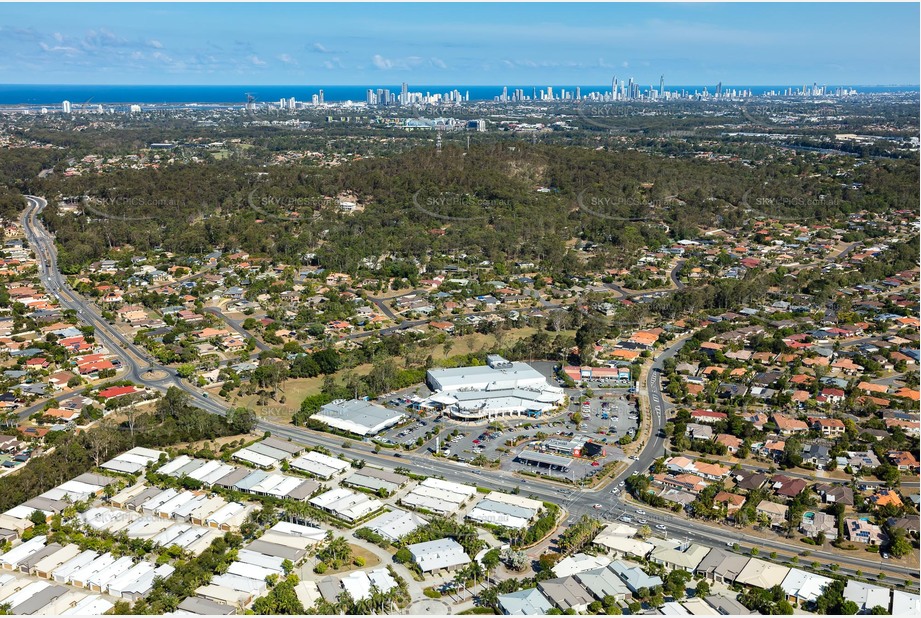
<point x="139" y="368"/>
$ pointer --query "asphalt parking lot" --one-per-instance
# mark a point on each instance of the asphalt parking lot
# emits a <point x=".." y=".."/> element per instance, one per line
<point x="605" y="421"/>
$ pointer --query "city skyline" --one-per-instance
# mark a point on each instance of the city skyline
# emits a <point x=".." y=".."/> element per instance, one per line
<point x="454" y="44"/>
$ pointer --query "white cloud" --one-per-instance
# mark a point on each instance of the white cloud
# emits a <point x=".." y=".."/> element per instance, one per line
<point x="321" y="49"/>
<point x="438" y="63"/>
<point x="382" y="63"/>
<point x="333" y="64"/>
<point x="386" y="64"/>
<point x="155" y="44"/>
<point x="257" y="61"/>
<point x="287" y="59"/>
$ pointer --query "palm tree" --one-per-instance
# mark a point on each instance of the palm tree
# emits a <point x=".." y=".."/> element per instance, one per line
<point x="344" y="602"/>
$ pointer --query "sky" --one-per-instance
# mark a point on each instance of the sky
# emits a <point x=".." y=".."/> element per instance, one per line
<point x="459" y="43"/>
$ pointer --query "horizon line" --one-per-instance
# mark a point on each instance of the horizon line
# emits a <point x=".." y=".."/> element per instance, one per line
<point x="500" y="85"/>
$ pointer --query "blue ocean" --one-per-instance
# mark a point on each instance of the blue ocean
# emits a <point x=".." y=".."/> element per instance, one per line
<point x="53" y="94"/>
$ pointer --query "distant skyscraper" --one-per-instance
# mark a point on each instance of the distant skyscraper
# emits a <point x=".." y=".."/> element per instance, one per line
<point x="719" y="89"/>
<point x="662" y="86"/>
<point x="65" y="107"/>
<point x="404" y="94"/>
<point x="614" y="87"/>
<point x="578" y="93"/>
<point x="322" y="99"/>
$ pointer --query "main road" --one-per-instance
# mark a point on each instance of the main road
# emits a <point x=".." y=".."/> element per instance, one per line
<point x="596" y="502"/>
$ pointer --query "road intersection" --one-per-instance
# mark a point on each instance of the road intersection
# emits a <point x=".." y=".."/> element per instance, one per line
<point x="141" y="369"/>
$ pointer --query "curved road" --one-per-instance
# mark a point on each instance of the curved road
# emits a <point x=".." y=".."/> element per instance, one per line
<point x="577" y="502"/>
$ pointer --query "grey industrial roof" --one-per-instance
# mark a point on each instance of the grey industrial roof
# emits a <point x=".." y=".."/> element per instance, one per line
<point x="232" y="478"/>
<point x="274" y="549"/>
<point x="26" y="564"/>
<point x="143" y="497"/>
<point x="251" y="480"/>
<point x="46" y="504"/>
<point x="39" y="600"/>
<point x="269" y="451"/>
<point x="205" y="607"/>
<point x="304" y="490"/>
<point x="95" y="479"/>
<point x="357" y="414"/>
<point x="283" y="445"/>
<point x="384" y="475"/>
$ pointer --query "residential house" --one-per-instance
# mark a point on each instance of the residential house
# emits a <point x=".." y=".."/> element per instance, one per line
<point x="566" y="593"/>
<point x="862" y="531"/>
<point x="815" y="523"/>
<point x="776" y="514"/>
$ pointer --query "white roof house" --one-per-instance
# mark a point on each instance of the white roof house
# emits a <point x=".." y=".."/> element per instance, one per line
<point x="439" y="554"/>
<point x="172" y="466"/>
<point x="90" y="606"/>
<point x="320" y="465"/>
<point x="62" y="574"/>
<point x="867" y="596"/>
<point x="347" y="505"/>
<point x="803" y="585"/>
<point x="134" y="460"/>
<point x="231" y="514"/>
<point x="395" y="524"/>
<point x="312" y="534"/>
<point x="761" y="574"/>
<point x="359" y="583"/>
<point x="578" y="563"/>
<point x="100" y="580"/>
<point x="905" y="604"/>
<point x="500" y="514"/>
<point x="11" y="559"/>
<point x="261" y="560"/>
<point x="439" y="496"/>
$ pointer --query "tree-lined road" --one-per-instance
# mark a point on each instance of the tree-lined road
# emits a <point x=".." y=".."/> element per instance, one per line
<point x="138" y="367"/>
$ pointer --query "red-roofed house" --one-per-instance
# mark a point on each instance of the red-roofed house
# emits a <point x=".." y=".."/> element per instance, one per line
<point x="117" y="391"/>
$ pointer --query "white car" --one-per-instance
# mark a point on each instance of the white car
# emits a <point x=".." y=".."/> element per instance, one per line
<point x="660" y="527"/>
<point x="597" y="506"/>
<point x="640" y="512"/>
